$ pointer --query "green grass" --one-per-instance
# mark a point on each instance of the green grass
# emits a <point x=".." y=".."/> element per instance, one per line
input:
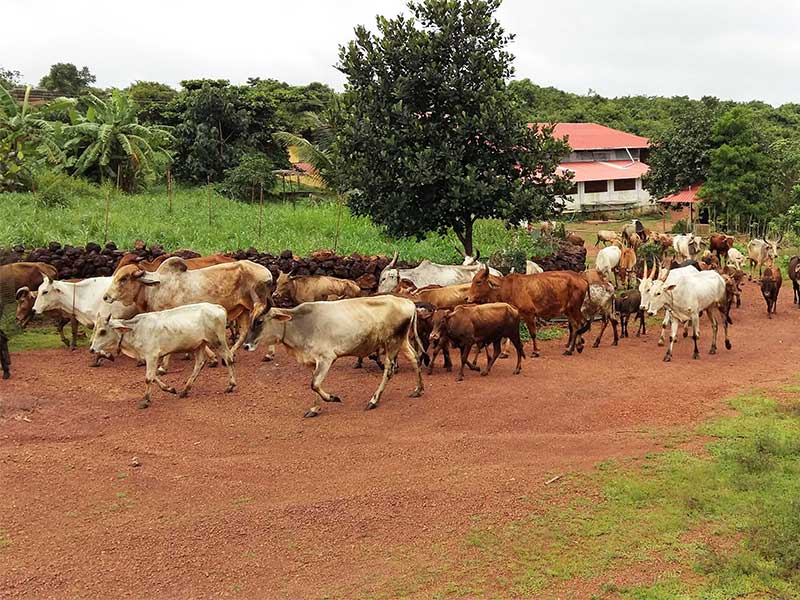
<point x="731" y="514"/>
<point x="302" y="228"/>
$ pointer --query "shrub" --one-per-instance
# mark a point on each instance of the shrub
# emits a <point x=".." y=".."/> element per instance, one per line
<point x="518" y="249"/>
<point x="681" y="226"/>
<point x="650" y="253"/>
<point x="60" y="190"/>
<point x="243" y="181"/>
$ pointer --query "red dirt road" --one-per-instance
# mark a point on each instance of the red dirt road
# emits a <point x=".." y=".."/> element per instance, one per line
<point x="238" y="496"/>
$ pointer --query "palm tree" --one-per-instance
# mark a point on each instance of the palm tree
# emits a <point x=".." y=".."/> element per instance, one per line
<point x="110" y="143"/>
<point x="26" y="138"/>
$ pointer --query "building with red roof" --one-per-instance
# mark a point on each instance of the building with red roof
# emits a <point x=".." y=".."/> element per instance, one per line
<point x="606" y="166"/>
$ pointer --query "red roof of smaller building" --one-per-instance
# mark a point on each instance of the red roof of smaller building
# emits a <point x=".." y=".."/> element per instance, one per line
<point x="687" y="196"/>
<point x="604" y="170"/>
<point x="592" y="136"/>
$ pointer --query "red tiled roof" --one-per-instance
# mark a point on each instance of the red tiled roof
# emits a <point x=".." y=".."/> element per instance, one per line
<point x="592" y="136"/>
<point x="304" y="167"/>
<point x="688" y="196"/>
<point x="599" y="171"/>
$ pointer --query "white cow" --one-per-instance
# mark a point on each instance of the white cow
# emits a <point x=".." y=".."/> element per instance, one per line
<point x="650" y="281"/>
<point x="735" y="258"/>
<point x="607" y="260"/>
<point x="531" y="268"/>
<point x="760" y="251"/>
<point x="687" y="246"/>
<point x="686" y="298"/>
<point x="154" y="335"/>
<point x="428" y="273"/>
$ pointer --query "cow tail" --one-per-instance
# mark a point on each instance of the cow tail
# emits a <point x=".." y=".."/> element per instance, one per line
<point x="423" y="356"/>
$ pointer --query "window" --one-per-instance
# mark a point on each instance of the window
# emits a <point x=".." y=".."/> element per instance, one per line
<point x="602" y="155"/>
<point x="623" y="185"/>
<point x="572" y="190"/>
<point x="592" y="187"/>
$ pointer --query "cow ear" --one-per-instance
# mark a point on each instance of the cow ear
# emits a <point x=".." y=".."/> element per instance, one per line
<point x="137" y="274"/>
<point x="670" y="287"/>
<point x="22" y="292"/>
<point x="282" y="316"/>
<point x="120" y="326"/>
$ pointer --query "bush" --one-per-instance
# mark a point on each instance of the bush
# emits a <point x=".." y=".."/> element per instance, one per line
<point x="518" y="249"/>
<point x="650" y="253"/>
<point x="681" y="226"/>
<point x="243" y="181"/>
<point x="60" y="190"/>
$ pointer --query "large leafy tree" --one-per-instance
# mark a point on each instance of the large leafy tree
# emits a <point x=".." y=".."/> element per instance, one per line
<point x="428" y="133"/>
<point x="108" y="142"/>
<point x="67" y="79"/>
<point x="151" y="99"/>
<point x="9" y="78"/>
<point x="27" y="139"/>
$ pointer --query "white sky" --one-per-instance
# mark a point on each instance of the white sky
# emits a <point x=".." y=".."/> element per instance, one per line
<point x="728" y="48"/>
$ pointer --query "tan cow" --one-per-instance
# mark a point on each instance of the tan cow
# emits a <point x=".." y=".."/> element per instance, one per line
<point x="25" y="301"/>
<point x="22" y="274"/>
<point x="241" y="288"/>
<point x="316" y="334"/>
<point x="440" y="296"/>
<point x="199" y="262"/>
<point x="296" y="289"/>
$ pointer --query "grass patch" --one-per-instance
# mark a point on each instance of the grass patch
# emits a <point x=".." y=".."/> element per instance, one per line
<point x="302" y="227"/>
<point x="733" y="514"/>
<point x="39" y="335"/>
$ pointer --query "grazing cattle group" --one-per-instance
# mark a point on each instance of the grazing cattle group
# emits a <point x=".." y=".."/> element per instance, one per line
<point x="149" y="310"/>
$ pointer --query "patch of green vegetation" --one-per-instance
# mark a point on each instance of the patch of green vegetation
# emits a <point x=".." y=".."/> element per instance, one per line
<point x="5" y="540"/>
<point x="544" y="334"/>
<point x="732" y="513"/>
<point x="303" y="227"/>
<point x="39" y="335"/>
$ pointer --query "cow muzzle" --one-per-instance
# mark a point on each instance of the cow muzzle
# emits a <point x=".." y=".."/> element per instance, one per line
<point x="108" y="299"/>
<point x="249" y="346"/>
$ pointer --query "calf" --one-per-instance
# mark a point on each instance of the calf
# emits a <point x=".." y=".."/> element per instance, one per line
<point x="737" y="277"/>
<point x="720" y="243"/>
<point x="151" y="336"/>
<point x="599" y="300"/>
<point x="5" y="357"/>
<point x="629" y="303"/>
<point x="25" y="302"/>
<point x="481" y="325"/>
<point x="625" y="266"/>
<point x="770" y="287"/>
<point x="574" y="239"/>
<point x="735" y="258"/>
<point x="428" y="316"/>
<point x="607" y="237"/>
<point x="316" y="334"/>
<point x="760" y="251"/>
<point x="607" y="261"/>
<point x="794" y="275"/>
<point x="447" y="296"/>
<point x="198" y="262"/>
<point x="296" y="289"/>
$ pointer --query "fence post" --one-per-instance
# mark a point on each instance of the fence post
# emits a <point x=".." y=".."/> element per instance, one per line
<point x="208" y="196"/>
<point x="260" y="208"/>
<point x="169" y="188"/>
<point x="108" y="210"/>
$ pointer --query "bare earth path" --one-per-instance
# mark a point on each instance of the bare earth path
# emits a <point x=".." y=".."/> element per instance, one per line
<point x="238" y="496"/>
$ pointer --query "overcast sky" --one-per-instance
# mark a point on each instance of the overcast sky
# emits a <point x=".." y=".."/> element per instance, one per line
<point x="735" y="49"/>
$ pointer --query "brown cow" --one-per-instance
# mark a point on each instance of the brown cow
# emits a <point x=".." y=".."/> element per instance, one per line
<point x="481" y="325"/>
<point x="720" y="244"/>
<point x="545" y="295"/>
<point x="447" y="296"/>
<point x="574" y="239"/>
<point x="22" y="274"/>
<point x="599" y="300"/>
<point x="199" y="262"/>
<point x="737" y="276"/>
<point x="770" y="287"/>
<point x="427" y="318"/>
<point x="626" y="265"/>
<point x="25" y="301"/>
<point x="794" y="275"/>
<point x="297" y="289"/>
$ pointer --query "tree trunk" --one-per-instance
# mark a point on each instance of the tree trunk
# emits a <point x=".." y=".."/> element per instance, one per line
<point x="465" y="237"/>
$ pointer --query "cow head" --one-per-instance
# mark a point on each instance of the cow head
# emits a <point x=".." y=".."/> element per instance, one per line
<point x="390" y="277"/>
<point x="773" y="244"/>
<point x="645" y="284"/>
<point x="438" y="333"/>
<point x="283" y="286"/>
<point x="25" y="301"/>
<point x="107" y="336"/>
<point x="269" y="327"/>
<point x="47" y="296"/>
<point x="482" y="288"/>
<point x="470" y="261"/>
<point x="127" y="283"/>
<point x="660" y="294"/>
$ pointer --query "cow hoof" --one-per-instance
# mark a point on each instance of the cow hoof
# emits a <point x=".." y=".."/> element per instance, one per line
<point x="230" y="388"/>
<point x="503" y="355"/>
<point x="534" y="355"/>
<point x="371" y="405"/>
<point x="144" y="403"/>
<point x="460" y="378"/>
<point x="94" y="364"/>
<point x="183" y="393"/>
<point x="358" y="365"/>
<point x="333" y="398"/>
<point x="172" y="390"/>
<point x="311" y="413"/>
<point x="415" y="394"/>
<point x="614" y="343"/>
<point x="268" y="358"/>
<point x="712" y="351"/>
<point x="685" y="333"/>
<point x="595" y="345"/>
<point x="484" y="373"/>
<point x="213" y="364"/>
<point x="430" y="370"/>
<point x="696" y="355"/>
<point x="6" y="375"/>
<point x="727" y="344"/>
<point x="161" y="371"/>
<point x="517" y="371"/>
<point x="580" y="348"/>
<point x="567" y="352"/>
<point x="660" y="342"/>
<point x="667" y="358"/>
<point x="449" y="368"/>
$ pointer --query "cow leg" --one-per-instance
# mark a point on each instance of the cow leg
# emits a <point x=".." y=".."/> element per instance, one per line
<point x="221" y="346"/>
<point x="642" y="325"/>
<point x="199" y="361"/>
<point x="164" y="366"/>
<point x="504" y="353"/>
<point x="150" y="375"/>
<point x="388" y="369"/>
<point x="490" y="361"/>
<point x="696" y="334"/>
<point x="164" y="386"/>
<point x="243" y="323"/>
<point x="603" y="330"/>
<point x="530" y="321"/>
<point x="517" y="342"/>
<point x="60" y="327"/>
<point x="465" y="350"/>
<point x="796" y="289"/>
<point x="5" y="357"/>
<point x="448" y="363"/>
<point x="321" y="369"/>
<point x="664" y="324"/>
<point x="74" y="330"/>
<point x="413" y="358"/>
<point x="270" y="355"/>
<point x="672" y="339"/>
<point x="775" y="302"/>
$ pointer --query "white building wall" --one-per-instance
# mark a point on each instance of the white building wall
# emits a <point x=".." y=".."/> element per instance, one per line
<point x="582" y="201"/>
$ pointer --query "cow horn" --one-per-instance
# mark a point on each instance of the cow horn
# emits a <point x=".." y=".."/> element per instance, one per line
<point x="22" y="292"/>
<point x="394" y="261"/>
<point x="460" y="251"/>
<point x="645" y="270"/>
<point x="477" y="254"/>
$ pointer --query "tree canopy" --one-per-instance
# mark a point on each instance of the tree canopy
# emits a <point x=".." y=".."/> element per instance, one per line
<point x="428" y="134"/>
<point x="67" y="79"/>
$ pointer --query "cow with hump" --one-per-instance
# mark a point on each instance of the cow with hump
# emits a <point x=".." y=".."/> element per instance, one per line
<point x="545" y="296"/>
<point x="428" y="273"/>
<point x="154" y="335"/>
<point x="296" y="289"/>
<point x="242" y="288"/>
<point x="316" y="334"/>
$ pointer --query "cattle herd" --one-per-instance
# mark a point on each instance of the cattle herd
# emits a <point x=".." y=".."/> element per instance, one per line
<point x="210" y="307"/>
